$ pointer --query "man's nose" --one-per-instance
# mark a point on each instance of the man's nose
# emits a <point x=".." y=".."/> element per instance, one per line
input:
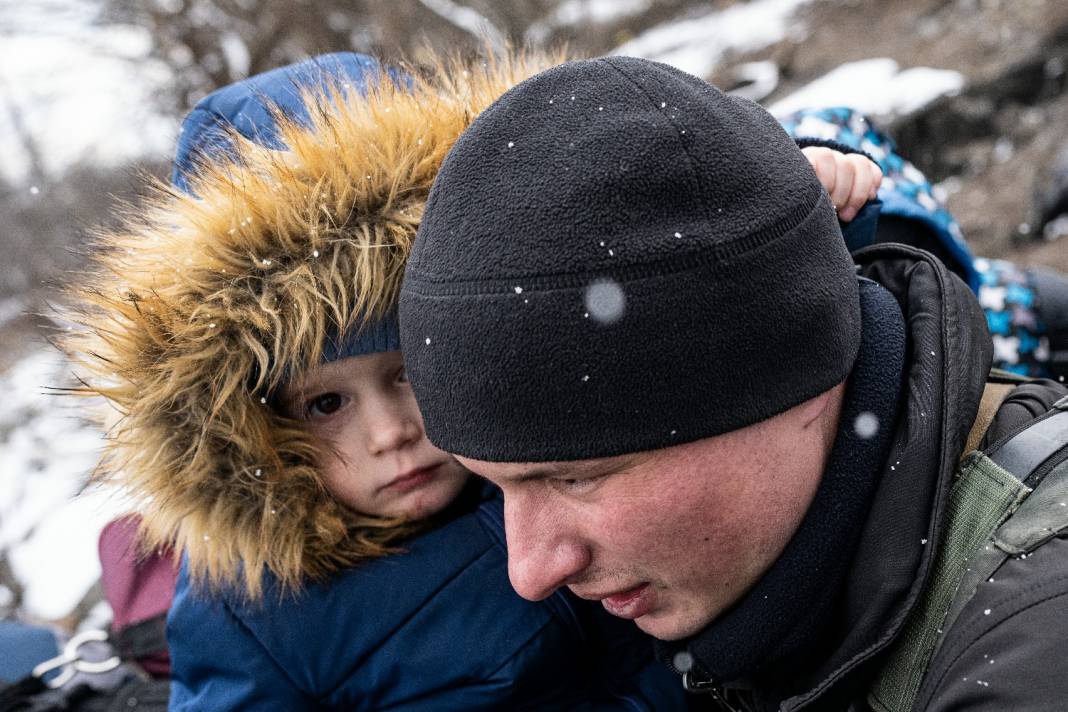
<point x="543" y="554"/>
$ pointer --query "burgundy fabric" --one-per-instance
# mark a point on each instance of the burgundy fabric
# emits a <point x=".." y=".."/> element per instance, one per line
<point x="137" y="585"/>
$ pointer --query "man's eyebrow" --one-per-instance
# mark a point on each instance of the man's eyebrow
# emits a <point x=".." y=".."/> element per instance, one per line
<point x="543" y="471"/>
<point x="537" y="472"/>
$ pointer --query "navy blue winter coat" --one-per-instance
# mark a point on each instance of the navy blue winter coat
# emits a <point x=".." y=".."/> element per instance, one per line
<point x="436" y="628"/>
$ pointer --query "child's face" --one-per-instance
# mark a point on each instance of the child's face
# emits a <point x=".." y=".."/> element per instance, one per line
<point x="381" y="462"/>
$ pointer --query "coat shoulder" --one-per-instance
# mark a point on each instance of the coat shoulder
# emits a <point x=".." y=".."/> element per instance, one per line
<point x="356" y="640"/>
<point x="1008" y="649"/>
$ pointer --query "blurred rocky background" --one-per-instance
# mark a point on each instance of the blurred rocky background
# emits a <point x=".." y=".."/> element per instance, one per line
<point x="92" y="93"/>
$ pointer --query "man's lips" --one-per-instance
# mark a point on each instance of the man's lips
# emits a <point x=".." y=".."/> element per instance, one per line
<point x="413" y="479"/>
<point x="631" y="603"/>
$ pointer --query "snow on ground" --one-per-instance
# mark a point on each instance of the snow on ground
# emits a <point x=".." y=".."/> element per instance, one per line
<point x="47" y="450"/>
<point x="873" y="86"/>
<point x="582" y="13"/>
<point x="10" y="308"/>
<point x="696" y="45"/>
<point x="83" y="92"/>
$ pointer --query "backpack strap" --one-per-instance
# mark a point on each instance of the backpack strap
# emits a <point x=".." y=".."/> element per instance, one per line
<point x="140" y="640"/>
<point x="993" y="396"/>
<point x="989" y="517"/>
<point x="15" y="695"/>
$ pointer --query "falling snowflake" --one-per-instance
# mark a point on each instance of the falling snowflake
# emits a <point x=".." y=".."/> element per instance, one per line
<point x="605" y="300"/>
<point x="683" y="661"/>
<point x="866" y="425"/>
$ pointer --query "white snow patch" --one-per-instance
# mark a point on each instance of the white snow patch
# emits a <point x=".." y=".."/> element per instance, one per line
<point x="874" y="86"/>
<point x="1056" y="228"/>
<point x="84" y="91"/>
<point x="696" y="45"/>
<point x="59" y="562"/>
<point x="237" y="55"/>
<point x="585" y="12"/>
<point x="757" y="79"/>
<point x="467" y="19"/>
<point x="47" y="532"/>
<point x="600" y="12"/>
<point x="10" y="309"/>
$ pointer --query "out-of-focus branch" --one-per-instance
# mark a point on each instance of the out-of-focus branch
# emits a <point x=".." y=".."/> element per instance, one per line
<point x="37" y="172"/>
<point x="11" y="583"/>
<point x="467" y="19"/>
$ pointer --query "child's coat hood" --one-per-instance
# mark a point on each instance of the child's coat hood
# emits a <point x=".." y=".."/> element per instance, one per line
<point x="207" y="298"/>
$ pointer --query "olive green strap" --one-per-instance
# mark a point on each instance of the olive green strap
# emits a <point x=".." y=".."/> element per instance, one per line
<point x="981" y="498"/>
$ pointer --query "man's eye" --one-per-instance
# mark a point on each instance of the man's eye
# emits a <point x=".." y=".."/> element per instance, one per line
<point x="575" y="486"/>
<point x="326" y="404"/>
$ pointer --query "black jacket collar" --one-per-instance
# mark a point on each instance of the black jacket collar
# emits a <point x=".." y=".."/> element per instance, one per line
<point x="948" y="359"/>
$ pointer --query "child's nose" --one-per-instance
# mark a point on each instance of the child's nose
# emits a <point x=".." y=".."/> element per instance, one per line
<point x="391" y="428"/>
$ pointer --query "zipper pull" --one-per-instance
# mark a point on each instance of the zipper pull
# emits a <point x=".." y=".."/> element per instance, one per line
<point x="697" y="685"/>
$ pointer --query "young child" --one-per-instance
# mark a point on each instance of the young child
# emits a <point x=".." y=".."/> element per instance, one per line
<point x="244" y="327"/>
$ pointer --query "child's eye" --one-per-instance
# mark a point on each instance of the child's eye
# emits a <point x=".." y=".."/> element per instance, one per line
<point x="402" y="375"/>
<point x="326" y="404"/>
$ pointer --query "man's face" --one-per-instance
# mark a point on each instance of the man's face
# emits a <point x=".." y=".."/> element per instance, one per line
<point x="668" y="538"/>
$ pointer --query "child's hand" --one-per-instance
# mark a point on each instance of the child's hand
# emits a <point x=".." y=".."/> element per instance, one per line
<point x="849" y="178"/>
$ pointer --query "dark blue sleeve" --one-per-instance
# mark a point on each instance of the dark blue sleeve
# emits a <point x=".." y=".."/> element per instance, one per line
<point x="217" y="664"/>
<point x="628" y="674"/>
<point x="23" y="647"/>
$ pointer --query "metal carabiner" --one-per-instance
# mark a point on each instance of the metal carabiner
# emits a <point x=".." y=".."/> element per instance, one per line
<point x="61" y="660"/>
<point x="71" y="660"/>
<point x="82" y="665"/>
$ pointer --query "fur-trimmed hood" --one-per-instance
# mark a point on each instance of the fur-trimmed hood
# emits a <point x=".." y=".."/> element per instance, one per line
<point x="199" y="306"/>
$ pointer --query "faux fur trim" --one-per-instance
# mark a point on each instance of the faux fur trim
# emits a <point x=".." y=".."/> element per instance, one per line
<point x="198" y="307"/>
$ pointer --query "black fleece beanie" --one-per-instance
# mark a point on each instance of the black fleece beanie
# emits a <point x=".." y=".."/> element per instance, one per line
<point x="617" y="257"/>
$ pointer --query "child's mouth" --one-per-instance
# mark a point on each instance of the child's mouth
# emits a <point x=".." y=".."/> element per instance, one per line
<point x="413" y="479"/>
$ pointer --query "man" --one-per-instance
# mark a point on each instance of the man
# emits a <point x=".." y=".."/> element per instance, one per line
<point x="630" y="306"/>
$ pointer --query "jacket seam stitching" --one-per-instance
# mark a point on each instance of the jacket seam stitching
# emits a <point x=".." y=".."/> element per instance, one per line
<point x="230" y="610"/>
<point x="695" y="176"/>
